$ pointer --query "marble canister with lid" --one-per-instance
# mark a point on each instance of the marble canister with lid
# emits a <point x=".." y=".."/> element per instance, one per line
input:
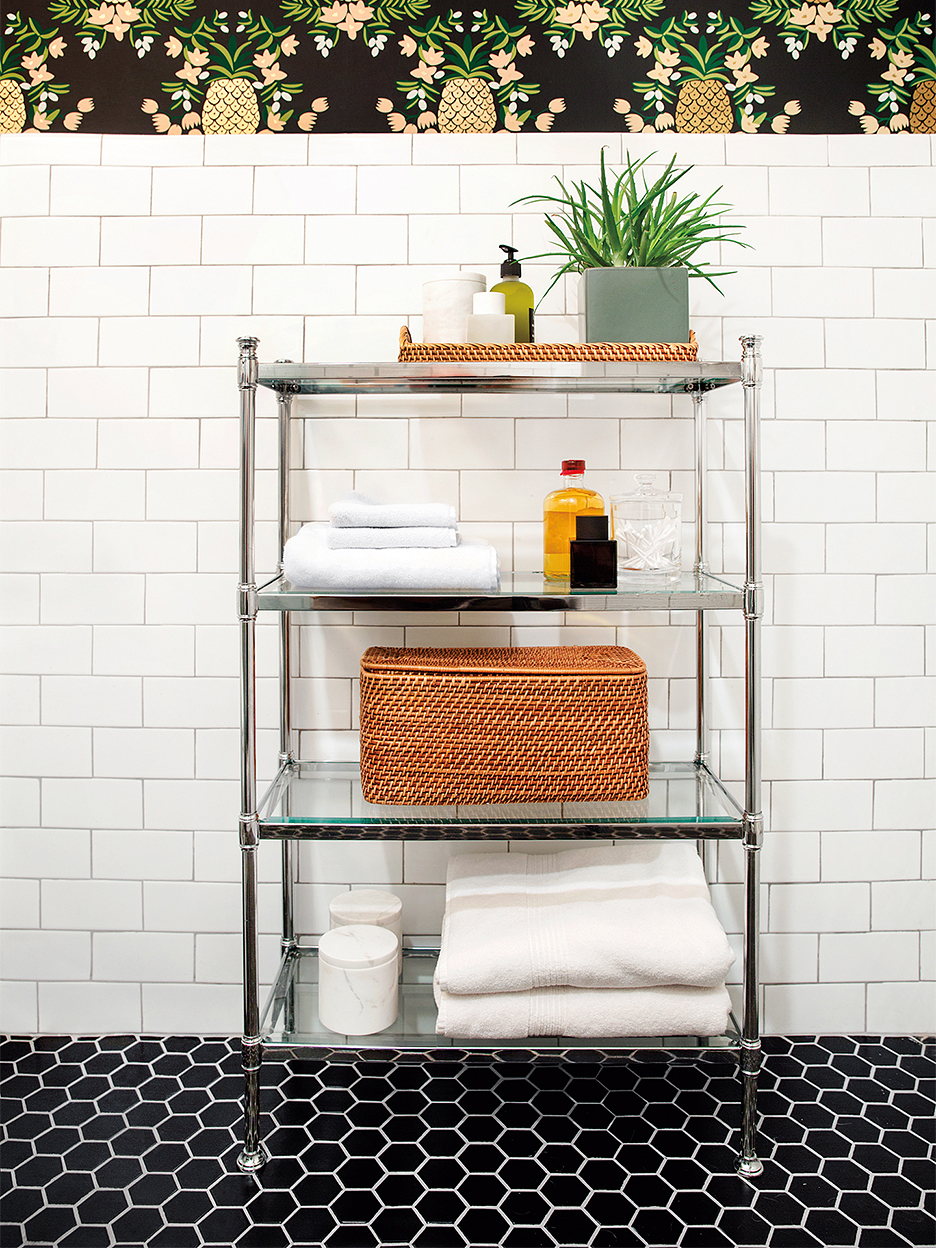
<point x="358" y="988"/>
<point x="370" y="905"/>
<point x="447" y="305"/>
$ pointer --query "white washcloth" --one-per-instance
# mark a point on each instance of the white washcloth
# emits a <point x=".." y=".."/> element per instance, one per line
<point x="309" y="564"/>
<point x="356" y="511"/>
<point x="618" y="916"/>
<point x="584" y="1012"/>
<point x="389" y="539"/>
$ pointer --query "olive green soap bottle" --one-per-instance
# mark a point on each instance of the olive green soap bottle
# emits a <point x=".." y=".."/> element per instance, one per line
<point x="518" y="297"/>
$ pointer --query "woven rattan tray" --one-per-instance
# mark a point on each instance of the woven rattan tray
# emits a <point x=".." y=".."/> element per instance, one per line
<point x="544" y="352"/>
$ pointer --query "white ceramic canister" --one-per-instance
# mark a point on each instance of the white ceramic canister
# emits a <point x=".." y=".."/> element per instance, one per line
<point x="358" y="990"/>
<point x="370" y="905"/>
<point x="447" y="305"/>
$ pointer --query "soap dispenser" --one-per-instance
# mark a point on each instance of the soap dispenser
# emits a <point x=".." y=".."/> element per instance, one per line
<point x="518" y="296"/>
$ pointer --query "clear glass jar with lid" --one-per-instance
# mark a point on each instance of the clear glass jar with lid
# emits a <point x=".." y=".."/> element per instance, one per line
<point x="647" y="529"/>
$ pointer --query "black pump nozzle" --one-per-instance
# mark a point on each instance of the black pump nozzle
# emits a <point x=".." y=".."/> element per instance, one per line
<point x="510" y="267"/>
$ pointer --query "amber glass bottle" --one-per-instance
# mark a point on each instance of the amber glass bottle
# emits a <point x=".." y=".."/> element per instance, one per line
<point x="560" y="509"/>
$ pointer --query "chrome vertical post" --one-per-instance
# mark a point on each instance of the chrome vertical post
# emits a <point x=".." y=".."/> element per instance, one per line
<point x="286" y="758"/>
<point x="700" y="568"/>
<point x="748" y="1162"/>
<point x="253" y="1154"/>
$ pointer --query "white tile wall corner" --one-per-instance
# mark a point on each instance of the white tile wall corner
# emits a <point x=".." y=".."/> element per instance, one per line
<point x="129" y="267"/>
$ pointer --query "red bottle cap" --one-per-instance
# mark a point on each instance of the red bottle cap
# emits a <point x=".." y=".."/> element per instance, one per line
<point x="572" y="467"/>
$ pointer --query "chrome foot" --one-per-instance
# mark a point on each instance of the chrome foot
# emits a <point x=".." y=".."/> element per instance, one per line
<point x="251" y="1161"/>
<point x="749" y="1167"/>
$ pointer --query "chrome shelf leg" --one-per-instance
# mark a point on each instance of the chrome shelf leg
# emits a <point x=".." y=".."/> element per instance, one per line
<point x="286" y="757"/>
<point x="750" y="1062"/>
<point x="706" y="848"/>
<point x="253" y="1154"/>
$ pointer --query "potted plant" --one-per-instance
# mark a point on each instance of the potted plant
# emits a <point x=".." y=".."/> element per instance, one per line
<point x="634" y="247"/>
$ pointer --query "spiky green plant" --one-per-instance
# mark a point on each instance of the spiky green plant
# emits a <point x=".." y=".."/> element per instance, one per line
<point x="620" y="225"/>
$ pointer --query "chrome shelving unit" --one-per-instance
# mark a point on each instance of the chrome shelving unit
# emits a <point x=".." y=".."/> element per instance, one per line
<point x="309" y="800"/>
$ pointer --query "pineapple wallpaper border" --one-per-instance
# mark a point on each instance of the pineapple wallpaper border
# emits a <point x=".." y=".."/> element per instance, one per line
<point x="355" y="66"/>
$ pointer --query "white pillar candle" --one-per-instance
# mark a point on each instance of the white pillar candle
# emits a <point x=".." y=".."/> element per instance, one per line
<point x="358" y="993"/>
<point x="447" y="305"/>
<point x="370" y="905"/>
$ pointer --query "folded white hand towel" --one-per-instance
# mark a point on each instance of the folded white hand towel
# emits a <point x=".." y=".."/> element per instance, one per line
<point x="389" y="539"/>
<point x="309" y="564"/>
<point x="621" y="916"/>
<point x="357" y="511"/>
<point x="584" y="1012"/>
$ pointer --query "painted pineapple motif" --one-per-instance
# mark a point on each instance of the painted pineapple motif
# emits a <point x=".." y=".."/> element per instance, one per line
<point x="30" y="98"/>
<point x="464" y="83"/>
<point x="703" y="106"/>
<point x="706" y="77"/>
<point x="231" y="107"/>
<point x="467" y="106"/>
<point x="229" y="82"/>
<point x="12" y="107"/>
<point x="923" y="108"/>
<point x="906" y="90"/>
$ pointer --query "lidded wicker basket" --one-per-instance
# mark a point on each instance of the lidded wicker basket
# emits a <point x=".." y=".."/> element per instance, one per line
<point x="528" y="724"/>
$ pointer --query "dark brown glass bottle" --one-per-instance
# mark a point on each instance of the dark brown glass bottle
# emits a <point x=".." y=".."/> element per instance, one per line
<point x="593" y="558"/>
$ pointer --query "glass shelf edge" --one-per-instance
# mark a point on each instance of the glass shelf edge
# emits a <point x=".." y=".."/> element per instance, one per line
<point x="298" y="1045"/>
<point x="727" y="825"/>
<point x="714" y="594"/>
<point x="452" y="830"/>
<point x="441" y="1048"/>
<point x="570" y="377"/>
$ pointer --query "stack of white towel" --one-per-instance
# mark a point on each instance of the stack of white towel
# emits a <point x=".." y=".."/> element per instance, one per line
<point x="388" y="547"/>
<point x="595" y="942"/>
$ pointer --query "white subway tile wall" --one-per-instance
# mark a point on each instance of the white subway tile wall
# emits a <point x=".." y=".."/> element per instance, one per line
<point x="130" y="265"/>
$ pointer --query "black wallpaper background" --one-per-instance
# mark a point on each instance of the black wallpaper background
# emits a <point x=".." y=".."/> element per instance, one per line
<point x="53" y="77"/>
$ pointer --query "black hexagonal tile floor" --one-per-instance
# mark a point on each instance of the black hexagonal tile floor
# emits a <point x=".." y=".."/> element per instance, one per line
<point x="131" y="1141"/>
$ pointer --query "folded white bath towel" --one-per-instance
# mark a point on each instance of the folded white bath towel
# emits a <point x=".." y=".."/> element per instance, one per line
<point x="584" y="1013"/>
<point x="618" y="916"/>
<point x="309" y="564"/>
<point x="389" y="539"/>
<point x="357" y="511"/>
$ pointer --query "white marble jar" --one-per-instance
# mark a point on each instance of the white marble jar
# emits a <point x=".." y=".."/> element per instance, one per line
<point x="358" y="989"/>
<point x="447" y="305"/>
<point x="370" y="905"/>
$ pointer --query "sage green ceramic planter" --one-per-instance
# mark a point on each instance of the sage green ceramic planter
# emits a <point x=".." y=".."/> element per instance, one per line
<point x="634" y="305"/>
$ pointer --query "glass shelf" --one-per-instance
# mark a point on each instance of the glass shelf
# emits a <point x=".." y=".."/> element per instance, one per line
<point x="519" y="591"/>
<point x="498" y="378"/>
<point x="291" y="1022"/>
<point x="324" y="801"/>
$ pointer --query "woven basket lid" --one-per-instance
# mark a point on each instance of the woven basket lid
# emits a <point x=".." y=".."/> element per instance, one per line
<point x="506" y="660"/>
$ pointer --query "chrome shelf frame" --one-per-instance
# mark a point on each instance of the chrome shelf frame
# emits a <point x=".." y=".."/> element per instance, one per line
<point x="283" y="816"/>
<point x="542" y="378"/>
